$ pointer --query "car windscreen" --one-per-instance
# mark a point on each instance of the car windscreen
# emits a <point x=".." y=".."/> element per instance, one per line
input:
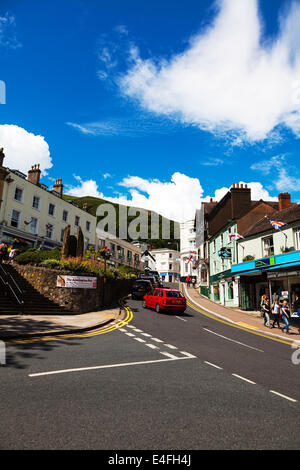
<point x="174" y="294"/>
<point x="142" y="283"/>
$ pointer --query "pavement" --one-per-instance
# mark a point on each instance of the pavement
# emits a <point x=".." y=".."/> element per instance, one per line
<point x="251" y="320"/>
<point x="23" y="326"/>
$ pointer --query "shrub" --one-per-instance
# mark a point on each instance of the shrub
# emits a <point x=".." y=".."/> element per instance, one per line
<point x="36" y="256"/>
<point x="50" y="263"/>
<point x="248" y="258"/>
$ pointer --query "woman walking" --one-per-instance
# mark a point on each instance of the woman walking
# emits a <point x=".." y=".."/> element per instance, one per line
<point x="285" y="315"/>
<point x="265" y="308"/>
<point x="276" y="312"/>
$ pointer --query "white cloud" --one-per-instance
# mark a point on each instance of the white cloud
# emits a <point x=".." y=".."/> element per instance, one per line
<point x="23" y="149"/>
<point x="84" y="188"/>
<point x="257" y="192"/>
<point x="228" y="79"/>
<point x="284" y="176"/>
<point x="8" y="36"/>
<point x="177" y="199"/>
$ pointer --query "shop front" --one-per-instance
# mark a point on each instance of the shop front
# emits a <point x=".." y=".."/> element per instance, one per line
<point x="224" y="289"/>
<point x="276" y="276"/>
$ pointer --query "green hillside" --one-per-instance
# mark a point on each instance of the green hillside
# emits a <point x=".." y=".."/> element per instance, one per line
<point x="94" y="202"/>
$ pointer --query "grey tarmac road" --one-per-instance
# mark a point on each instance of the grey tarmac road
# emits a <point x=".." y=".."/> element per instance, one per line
<point x="161" y="382"/>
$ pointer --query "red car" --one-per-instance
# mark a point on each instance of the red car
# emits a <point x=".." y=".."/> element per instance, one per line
<point x="165" y="299"/>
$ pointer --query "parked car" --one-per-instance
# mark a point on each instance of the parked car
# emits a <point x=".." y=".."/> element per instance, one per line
<point x="165" y="300"/>
<point x="140" y="288"/>
<point x="149" y="272"/>
<point x="151" y="279"/>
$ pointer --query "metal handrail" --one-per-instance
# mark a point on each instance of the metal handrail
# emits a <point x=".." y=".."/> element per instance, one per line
<point x="8" y="283"/>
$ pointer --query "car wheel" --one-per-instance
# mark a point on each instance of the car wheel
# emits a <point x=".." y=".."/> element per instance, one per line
<point x="144" y="304"/>
<point x="157" y="308"/>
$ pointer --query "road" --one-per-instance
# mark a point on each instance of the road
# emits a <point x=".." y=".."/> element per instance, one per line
<point x="161" y="382"/>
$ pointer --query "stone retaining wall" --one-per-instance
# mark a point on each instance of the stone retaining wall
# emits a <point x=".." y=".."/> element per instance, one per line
<point x="107" y="293"/>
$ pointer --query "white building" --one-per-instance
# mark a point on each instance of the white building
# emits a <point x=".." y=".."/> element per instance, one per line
<point x="36" y="214"/>
<point x="167" y="263"/>
<point x="188" y="255"/>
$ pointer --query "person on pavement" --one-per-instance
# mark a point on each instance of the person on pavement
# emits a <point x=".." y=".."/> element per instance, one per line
<point x="285" y="315"/>
<point x="265" y="308"/>
<point x="188" y="280"/>
<point x="194" y="282"/>
<point x="276" y="313"/>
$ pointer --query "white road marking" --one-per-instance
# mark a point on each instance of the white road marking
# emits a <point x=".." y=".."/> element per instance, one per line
<point x="157" y="340"/>
<point x="130" y="326"/>
<point x="170" y="346"/>
<point x="152" y="346"/>
<point x="179" y="318"/>
<point x="234" y="341"/>
<point x="243" y="378"/>
<point x="129" y="334"/>
<point x="146" y="334"/>
<point x="213" y="365"/>
<point x="53" y="372"/>
<point x="122" y="329"/>
<point x="168" y="355"/>
<point x="137" y="331"/>
<point x="140" y="340"/>
<point x="187" y="354"/>
<point x="283" y="396"/>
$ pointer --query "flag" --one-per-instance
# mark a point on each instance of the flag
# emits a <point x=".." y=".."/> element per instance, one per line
<point x="190" y="259"/>
<point x="49" y="227"/>
<point x="27" y="223"/>
<point x="235" y="236"/>
<point x="276" y="224"/>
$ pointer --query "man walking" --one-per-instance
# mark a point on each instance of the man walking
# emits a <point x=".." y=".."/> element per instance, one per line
<point x="188" y="280"/>
<point x="265" y="309"/>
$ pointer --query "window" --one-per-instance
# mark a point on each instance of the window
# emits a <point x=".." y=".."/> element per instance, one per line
<point x="170" y="255"/>
<point x="19" y="194"/>
<point x="51" y="209"/>
<point x="62" y="235"/>
<point x="77" y="220"/>
<point x="49" y="230"/>
<point x="129" y="256"/>
<point x="297" y="236"/>
<point x="215" y="267"/>
<point x="268" y="246"/>
<point x="65" y="215"/>
<point x="113" y="249"/>
<point x="36" y="201"/>
<point x="214" y="246"/>
<point x="33" y="227"/>
<point x="170" y="266"/>
<point x="222" y="240"/>
<point x="88" y="226"/>
<point x="15" y="218"/>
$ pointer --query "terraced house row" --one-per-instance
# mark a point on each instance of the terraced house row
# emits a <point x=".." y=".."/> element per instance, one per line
<point x="242" y="249"/>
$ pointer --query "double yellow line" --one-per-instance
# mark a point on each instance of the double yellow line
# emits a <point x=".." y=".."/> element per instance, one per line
<point x="88" y="334"/>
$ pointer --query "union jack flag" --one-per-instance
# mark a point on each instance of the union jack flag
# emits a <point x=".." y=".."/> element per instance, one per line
<point x="49" y="227"/>
<point x="190" y="259"/>
<point x="276" y="224"/>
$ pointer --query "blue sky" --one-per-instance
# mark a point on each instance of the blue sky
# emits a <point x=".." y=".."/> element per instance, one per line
<point x="159" y="103"/>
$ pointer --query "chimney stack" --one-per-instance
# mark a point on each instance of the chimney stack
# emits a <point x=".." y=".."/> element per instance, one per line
<point x="284" y="200"/>
<point x="1" y="156"/>
<point x="58" y="187"/>
<point x="34" y="174"/>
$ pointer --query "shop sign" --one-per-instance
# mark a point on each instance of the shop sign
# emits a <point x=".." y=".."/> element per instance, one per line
<point x="264" y="263"/>
<point x="285" y="293"/>
<point x="78" y="282"/>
